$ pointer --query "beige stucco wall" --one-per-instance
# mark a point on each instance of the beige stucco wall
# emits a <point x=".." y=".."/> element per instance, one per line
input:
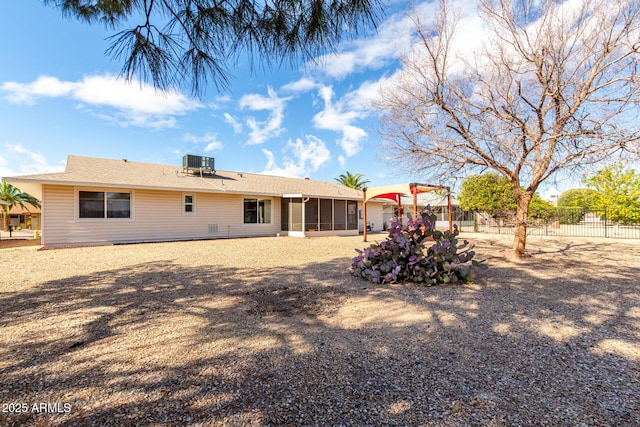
<point x="155" y="215"/>
<point x="374" y="215"/>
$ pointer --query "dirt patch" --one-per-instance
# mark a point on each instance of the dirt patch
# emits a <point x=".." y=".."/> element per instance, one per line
<point x="293" y="300"/>
<point x="276" y="331"/>
<point x="18" y="243"/>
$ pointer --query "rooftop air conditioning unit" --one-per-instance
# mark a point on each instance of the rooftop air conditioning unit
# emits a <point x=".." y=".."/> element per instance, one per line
<point x="198" y="163"/>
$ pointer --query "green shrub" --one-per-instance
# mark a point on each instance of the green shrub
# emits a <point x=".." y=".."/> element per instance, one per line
<point x="570" y="215"/>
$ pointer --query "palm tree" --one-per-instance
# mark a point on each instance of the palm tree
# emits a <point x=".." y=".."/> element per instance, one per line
<point x="14" y="197"/>
<point x="355" y="180"/>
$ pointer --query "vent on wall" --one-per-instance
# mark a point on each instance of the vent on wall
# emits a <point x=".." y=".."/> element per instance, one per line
<point x="213" y="228"/>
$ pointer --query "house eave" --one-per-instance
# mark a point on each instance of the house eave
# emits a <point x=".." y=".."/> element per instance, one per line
<point x="217" y="190"/>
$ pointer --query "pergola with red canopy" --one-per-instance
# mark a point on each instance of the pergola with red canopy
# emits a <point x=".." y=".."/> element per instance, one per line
<point x="395" y="193"/>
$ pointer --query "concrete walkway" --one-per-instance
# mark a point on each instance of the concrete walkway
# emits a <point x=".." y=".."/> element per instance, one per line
<point x="17" y="234"/>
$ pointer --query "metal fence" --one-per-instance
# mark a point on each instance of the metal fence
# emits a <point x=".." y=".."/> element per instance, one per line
<point x="574" y="222"/>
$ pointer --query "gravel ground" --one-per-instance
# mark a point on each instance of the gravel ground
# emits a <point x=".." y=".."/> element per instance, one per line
<point x="275" y="331"/>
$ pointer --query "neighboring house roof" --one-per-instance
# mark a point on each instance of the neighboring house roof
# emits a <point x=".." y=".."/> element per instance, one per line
<point x="97" y="172"/>
<point x="17" y="210"/>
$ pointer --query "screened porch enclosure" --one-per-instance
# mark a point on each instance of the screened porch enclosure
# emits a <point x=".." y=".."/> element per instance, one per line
<point x="309" y="214"/>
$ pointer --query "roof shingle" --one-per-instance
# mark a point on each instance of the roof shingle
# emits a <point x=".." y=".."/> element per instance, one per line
<point x="98" y="172"/>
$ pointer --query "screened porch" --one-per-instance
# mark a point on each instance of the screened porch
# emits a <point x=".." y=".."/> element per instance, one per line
<point x="301" y="215"/>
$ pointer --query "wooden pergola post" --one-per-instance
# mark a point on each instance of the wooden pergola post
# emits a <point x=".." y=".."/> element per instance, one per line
<point x="414" y="192"/>
<point x="364" y="209"/>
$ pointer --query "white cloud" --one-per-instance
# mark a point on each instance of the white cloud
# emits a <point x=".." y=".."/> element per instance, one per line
<point x="391" y="40"/>
<point x="209" y="140"/>
<point x="141" y="98"/>
<point x="126" y="104"/>
<point x="17" y="159"/>
<point x="304" y="84"/>
<point x="343" y="161"/>
<point x="217" y="103"/>
<point x="351" y="141"/>
<point x="394" y="39"/>
<point x="365" y="95"/>
<point x="470" y="35"/>
<point x="306" y="158"/>
<point x="399" y="32"/>
<point x="262" y="131"/>
<point x="213" y="146"/>
<point x="235" y="124"/>
<point x="43" y="87"/>
<point x="315" y="152"/>
<point x="271" y="167"/>
<point x="333" y="118"/>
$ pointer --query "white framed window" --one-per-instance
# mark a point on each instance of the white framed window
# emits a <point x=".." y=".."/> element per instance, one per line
<point x="257" y="211"/>
<point x="100" y="204"/>
<point x="188" y="203"/>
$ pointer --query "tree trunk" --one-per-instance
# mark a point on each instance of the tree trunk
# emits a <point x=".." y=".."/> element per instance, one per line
<point x="522" y="216"/>
<point x="5" y="219"/>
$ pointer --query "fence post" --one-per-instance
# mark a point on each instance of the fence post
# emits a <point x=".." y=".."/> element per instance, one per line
<point x="546" y="222"/>
<point x="605" y="222"/>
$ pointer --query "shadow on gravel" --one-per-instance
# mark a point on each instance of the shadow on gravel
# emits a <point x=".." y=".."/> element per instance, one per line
<point x="160" y="344"/>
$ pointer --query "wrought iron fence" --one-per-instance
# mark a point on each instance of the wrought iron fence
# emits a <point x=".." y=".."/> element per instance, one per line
<point x="574" y="222"/>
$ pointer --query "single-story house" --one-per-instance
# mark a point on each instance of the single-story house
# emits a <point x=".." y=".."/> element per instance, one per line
<point x="103" y="201"/>
<point x="24" y="218"/>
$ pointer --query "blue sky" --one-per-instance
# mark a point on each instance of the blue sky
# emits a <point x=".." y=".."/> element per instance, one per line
<point x="60" y="94"/>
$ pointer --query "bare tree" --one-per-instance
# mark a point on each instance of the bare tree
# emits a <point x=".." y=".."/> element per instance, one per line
<point x="553" y="86"/>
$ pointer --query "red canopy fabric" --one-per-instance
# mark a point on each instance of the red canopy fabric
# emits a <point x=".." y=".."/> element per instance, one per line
<point x="394" y="192"/>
